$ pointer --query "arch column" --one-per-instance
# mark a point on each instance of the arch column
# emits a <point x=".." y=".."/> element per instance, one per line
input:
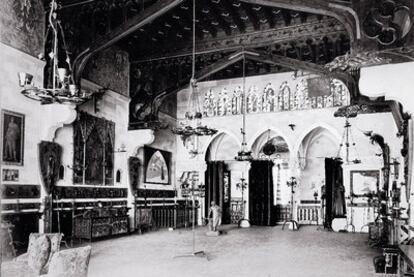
<point x="201" y="168"/>
<point x="295" y="171"/>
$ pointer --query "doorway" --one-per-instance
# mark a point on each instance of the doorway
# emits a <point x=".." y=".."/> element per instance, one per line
<point x="261" y="208"/>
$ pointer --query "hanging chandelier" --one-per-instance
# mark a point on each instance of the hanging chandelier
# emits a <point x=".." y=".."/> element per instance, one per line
<point x="192" y="125"/>
<point x="244" y="154"/>
<point x="348" y="142"/>
<point x="60" y="87"/>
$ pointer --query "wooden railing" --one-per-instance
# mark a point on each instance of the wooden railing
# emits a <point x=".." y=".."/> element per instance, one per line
<point x="165" y="216"/>
<point x="308" y="214"/>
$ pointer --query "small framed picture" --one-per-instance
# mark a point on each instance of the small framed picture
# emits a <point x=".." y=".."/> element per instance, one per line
<point x="364" y="182"/>
<point x="12" y="137"/>
<point x="10" y="175"/>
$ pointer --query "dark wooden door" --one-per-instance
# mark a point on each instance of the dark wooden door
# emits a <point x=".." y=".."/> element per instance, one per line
<point x="261" y="208"/>
<point x="218" y="188"/>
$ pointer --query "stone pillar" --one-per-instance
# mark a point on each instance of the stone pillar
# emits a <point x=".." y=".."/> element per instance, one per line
<point x="295" y="171"/>
<point x="202" y="167"/>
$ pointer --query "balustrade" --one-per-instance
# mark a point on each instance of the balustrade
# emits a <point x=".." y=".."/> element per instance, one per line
<point x="230" y="102"/>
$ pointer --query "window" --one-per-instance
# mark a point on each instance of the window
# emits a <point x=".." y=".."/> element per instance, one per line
<point x="93" y="161"/>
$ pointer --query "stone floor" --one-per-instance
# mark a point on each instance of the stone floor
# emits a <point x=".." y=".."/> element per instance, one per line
<point x="253" y="252"/>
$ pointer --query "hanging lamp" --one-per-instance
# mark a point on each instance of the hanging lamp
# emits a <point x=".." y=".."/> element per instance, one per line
<point x="192" y="125"/>
<point x="348" y="142"/>
<point x="61" y="88"/>
<point x="244" y="154"/>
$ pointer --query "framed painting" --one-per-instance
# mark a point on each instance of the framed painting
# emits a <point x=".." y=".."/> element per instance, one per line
<point x="364" y="182"/>
<point x="156" y="166"/>
<point x="12" y="137"/>
<point x="10" y="175"/>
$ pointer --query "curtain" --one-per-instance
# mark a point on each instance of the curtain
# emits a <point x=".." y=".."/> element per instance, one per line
<point x="334" y="191"/>
<point x="261" y="207"/>
<point x="214" y="185"/>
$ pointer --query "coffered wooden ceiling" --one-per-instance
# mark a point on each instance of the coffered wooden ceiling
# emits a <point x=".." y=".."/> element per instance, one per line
<point x="222" y="26"/>
<point x="157" y="34"/>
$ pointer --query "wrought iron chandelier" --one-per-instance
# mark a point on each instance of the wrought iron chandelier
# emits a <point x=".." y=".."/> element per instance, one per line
<point x="348" y="142"/>
<point x="192" y="125"/>
<point x="61" y="88"/>
<point x="244" y="154"/>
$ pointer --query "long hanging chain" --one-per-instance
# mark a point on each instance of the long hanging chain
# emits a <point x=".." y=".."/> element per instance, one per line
<point x="244" y="104"/>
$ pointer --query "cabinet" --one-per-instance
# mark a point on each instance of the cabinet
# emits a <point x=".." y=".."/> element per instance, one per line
<point x="92" y="225"/>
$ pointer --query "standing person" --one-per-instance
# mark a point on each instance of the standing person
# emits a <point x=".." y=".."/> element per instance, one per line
<point x="214" y="216"/>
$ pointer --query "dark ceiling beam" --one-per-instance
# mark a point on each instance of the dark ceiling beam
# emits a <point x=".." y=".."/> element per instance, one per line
<point x="217" y="15"/>
<point x="185" y="21"/>
<point x="252" y="16"/>
<point x="205" y="23"/>
<point x="264" y="38"/>
<point x="142" y="18"/>
<point x="287" y="17"/>
<point x="340" y="10"/>
<point x="269" y="16"/>
<point x="235" y="16"/>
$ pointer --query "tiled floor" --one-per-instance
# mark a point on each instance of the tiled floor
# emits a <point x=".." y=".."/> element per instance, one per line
<point x="253" y="252"/>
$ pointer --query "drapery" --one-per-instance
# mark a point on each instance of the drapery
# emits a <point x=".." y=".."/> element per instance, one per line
<point x="261" y="193"/>
<point x="215" y="189"/>
<point x="334" y="191"/>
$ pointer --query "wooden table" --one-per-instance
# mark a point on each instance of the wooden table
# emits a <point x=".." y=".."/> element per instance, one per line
<point x="407" y="255"/>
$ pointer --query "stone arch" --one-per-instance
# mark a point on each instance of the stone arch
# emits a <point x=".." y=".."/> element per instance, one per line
<point x="261" y="138"/>
<point x="222" y="146"/>
<point x="314" y="146"/>
<point x="331" y="130"/>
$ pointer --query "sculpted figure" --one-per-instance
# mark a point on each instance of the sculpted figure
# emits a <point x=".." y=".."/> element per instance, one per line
<point x="214" y="216"/>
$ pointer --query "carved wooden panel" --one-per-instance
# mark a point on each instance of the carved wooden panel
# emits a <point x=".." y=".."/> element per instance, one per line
<point x="94" y="140"/>
<point x="50" y="161"/>
<point x="90" y="192"/>
<point x="20" y="191"/>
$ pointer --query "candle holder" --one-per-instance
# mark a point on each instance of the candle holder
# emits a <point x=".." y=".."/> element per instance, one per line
<point x="292" y="183"/>
<point x="242" y="185"/>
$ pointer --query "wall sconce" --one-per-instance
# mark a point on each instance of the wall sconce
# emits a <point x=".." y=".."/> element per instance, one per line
<point x="25" y="79"/>
<point x="121" y="149"/>
<point x="396" y="165"/>
<point x="292" y="126"/>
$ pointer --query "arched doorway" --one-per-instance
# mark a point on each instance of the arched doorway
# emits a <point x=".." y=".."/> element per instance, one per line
<point x="219" y="155"/>
<point x="317" y="145"/>
<point x="268" y="193"/>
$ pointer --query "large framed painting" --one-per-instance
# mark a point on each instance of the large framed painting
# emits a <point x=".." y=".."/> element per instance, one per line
<point x="364" y="182"/>
<point x="157" y="166"/>
<point x="12" y="137"/>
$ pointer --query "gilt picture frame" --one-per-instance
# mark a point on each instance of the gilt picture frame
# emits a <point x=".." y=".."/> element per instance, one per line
<point x="364" y="182"/>
<point x="12" y="134"/>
